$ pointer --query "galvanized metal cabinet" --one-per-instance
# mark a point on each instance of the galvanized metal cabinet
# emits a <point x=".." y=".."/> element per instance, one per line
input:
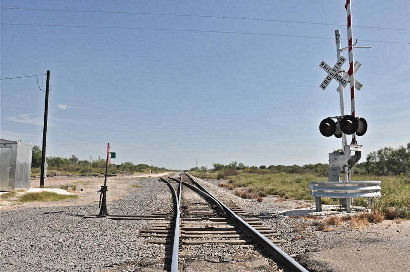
<point x="15" y="165"/>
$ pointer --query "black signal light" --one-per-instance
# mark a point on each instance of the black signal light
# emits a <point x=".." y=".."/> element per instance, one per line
<point x="327" y="127"/>
<point x="362" y="127"/>
<point x="349" y="124"/>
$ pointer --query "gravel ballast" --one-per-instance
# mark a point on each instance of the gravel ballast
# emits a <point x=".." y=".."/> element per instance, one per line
<point x="378" y="247"/>
<point x="59" y="239"/>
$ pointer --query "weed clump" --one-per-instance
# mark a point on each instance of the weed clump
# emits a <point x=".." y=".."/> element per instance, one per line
<point x="395" y="213"/>
<point x="334" y="220"/>
<point x="246" y="194"/>
<point x="322" y="226"/>
<point x="359" y="223"/>
<point x="226" y="185"/>
<point x="44" y="196"/>
<point x="373" y="217"/>
<point x="220" y="176"/>
<point x="8" y="195"/>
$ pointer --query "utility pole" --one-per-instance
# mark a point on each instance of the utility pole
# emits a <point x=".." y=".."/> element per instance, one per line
<point x="43" y="153"/>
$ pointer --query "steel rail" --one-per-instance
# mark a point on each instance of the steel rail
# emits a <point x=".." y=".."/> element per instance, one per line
<point x="278" y="253"/>
<point x="175" y="243"/>
<point x="207" y="197"/>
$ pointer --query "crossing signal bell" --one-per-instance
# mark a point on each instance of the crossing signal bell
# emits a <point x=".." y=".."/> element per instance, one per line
<point x="346" y="124"/>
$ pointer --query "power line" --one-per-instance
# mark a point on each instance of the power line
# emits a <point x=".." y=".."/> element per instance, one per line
<point x="241" y="18"/>
<point x="25" y="76"/>
<point x="197" y="31"/>
<point x="18" y="77"/>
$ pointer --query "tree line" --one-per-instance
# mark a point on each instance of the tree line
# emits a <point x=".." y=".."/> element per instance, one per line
<point x="88" y="167"/>
<point x="388" y="161"/>
<point x="383" y="162"/>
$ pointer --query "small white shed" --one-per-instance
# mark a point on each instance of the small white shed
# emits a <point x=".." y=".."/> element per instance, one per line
<point x="15" y="165"/>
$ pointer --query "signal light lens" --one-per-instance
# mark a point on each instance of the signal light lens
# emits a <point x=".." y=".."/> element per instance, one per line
<point x="327" y="127"/>
<point x="349" y="124"/>
<point x="362" y="128"/>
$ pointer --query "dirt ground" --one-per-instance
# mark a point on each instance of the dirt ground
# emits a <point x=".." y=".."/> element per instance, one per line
<point x="380" y="247"/>
<point x="84" y="187"/>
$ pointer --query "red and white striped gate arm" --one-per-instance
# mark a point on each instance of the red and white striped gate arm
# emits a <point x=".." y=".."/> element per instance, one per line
<point x="351" y="61"/>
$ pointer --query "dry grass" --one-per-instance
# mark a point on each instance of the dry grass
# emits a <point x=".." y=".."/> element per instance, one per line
<point x="69" y="187"/>
<point x="359" y="223"/>
<point x="325" y="225"/>
<point x="333" y="220"/>
<point x="346" y="217"/>
<point x="44" y="196"/>
<point x="373" y="217"/>
<point x="398" y="221"/>
<point x="322" y="226"/>
<point x="394" y="213"/>
<point x="8" y="195"/>
<point x="246" y="194"/>
<point x="226" y="185"/>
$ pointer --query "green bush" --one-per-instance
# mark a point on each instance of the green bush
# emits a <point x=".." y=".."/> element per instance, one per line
<point x="220" y="176"/>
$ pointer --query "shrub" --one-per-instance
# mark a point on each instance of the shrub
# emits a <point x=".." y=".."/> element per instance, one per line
<point x="220" y="176"/>
<point x="373" y="217"/>
<point x="393" y="213"/>
<point x="218" y="166"/>
<point x="230" y="172"/>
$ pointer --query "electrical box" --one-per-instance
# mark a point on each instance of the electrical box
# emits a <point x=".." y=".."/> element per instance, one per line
<point x="15" y="165"/>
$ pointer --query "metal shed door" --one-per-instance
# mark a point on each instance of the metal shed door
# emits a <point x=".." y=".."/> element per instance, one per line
<point x="5" y="166"/>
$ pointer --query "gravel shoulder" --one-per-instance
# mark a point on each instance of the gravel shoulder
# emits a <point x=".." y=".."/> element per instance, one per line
<point x="379" y="247"/>
<point x="58" y="238"/>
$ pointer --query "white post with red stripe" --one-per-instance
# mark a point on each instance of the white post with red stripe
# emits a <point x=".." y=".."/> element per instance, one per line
<point x="340" y="88"/>
<point x="351" y="61"/>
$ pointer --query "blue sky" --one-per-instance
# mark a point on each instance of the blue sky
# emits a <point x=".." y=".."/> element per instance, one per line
<point x="173" y="89"/>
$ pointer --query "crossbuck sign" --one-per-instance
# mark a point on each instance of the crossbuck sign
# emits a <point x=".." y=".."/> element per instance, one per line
<point x="340" y="76"/>
<point x="333" y="73"/>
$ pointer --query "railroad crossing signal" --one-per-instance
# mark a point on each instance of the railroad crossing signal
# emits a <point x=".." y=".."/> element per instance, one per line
<point x="346" y="124"/>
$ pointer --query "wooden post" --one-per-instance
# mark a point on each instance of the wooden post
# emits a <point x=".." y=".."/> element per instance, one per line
<point x="43" y="153"/>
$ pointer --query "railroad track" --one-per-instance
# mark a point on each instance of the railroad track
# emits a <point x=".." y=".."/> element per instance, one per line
<point x="203" y="227"/>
